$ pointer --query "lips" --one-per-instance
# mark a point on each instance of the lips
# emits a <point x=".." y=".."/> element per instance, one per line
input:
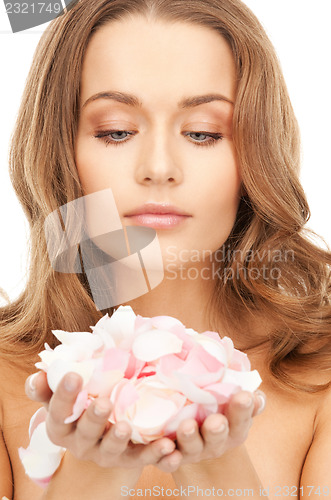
<point x="157" y="208"/>
<point x="158" y="216"/>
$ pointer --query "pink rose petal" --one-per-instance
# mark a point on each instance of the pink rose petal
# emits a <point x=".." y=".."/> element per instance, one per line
<point x="81" y="404"/>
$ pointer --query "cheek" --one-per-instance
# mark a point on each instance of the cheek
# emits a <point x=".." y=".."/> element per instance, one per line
<point x="221" y="199"/>
<point x="88" y="166"/>
<point x="226" y="192"/>
<point x="94" y="168"/>
<point x="220" y="183"/>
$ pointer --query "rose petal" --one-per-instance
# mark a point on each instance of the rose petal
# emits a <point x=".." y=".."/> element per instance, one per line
<point x="158" y="322"/>
<point x="152" y="411"/>
<point x="40" y="466"/>
<point x="222" y="391"/>
<point x="247" y="381"/>
<point x="91" y="341"/>
<point x="115" y="359"/>
<point x="81" y="404"/>
<point x="169" y="363"/>
<point x="183" y="384"/>
<point x="125" y="395"/>
<point x="240" y="361"/>
<point x="188" y="411"/>
<point x="102" y="382"/>
<point x="60" y="367"/>
<point x="151" y="345"/>
<point x="42" y="457"/>
<point x="214" y="348"/>
<point x="37" y="418"/>
<point x="119" y="328"/>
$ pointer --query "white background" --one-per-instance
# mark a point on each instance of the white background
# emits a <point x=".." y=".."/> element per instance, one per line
<point x="300" y="31"/>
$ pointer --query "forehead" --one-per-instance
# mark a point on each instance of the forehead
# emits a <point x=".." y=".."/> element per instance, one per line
<point x="158" y="60"/>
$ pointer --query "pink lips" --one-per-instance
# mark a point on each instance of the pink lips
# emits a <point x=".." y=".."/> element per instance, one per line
<point x="158" y="216"/>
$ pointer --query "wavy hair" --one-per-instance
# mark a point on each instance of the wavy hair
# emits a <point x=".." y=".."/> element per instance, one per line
<point x="255" y="278"/>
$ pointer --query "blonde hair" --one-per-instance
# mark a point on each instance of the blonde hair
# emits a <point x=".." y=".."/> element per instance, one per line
<point x="272" y="212"/>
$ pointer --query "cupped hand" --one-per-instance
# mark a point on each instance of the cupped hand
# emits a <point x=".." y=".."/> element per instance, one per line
<point x="92" y="437"/>
<point x="218" y="434"/>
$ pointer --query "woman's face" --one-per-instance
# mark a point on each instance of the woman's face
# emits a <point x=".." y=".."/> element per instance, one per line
<point x="155" y="127"/>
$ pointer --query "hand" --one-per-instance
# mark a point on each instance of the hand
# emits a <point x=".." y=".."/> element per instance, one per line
<point x="92" y="437"/>
<point x="83" y="438"/>
<point x="218" y="433"/>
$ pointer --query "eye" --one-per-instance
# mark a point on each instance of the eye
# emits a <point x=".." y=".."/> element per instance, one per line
<point x="199" y="138"/>
<point x="117" y="137"/>
<point x="114" y="137"/>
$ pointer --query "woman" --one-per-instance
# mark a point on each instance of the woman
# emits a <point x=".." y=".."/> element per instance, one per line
<point x="193" y="94"/>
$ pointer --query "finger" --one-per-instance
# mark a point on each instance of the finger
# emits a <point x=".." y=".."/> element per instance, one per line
<point x="259" y="402"/>
<point x="189" y="440"/>
<point x="215" y="430"/>
<point x="61" y="407"/>
<point x="37" y="389"/>
<point x="170" y="463"/>
<point x="148" y="454"/>
<point x="239" y="414"/>
<point x="115" y="441"/>
<point x="92" y="423"/>
<point x="90" y="429"/>
<point x="156" y="450"/>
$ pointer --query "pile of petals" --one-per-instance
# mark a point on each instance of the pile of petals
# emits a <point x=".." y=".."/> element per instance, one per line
<point x="155" y="371"/>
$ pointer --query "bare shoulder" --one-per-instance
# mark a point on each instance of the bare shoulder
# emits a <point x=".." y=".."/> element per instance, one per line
<point x="15" y="405"/>
<point x="324" y="408"/>
<point x="6" y="478"/>
<point x="16" y="408"/>
<point x="12" y="378"/>
<point x="317" y="465"/>
<point x="16" y="412"/>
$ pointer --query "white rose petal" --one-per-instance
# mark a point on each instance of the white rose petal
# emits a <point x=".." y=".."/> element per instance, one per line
<point x="59" y="368"/>
<point x="153" y="344"/>
<point x="117" y="330"/>
<point x="91" y="341"/>
<point x="212" y="347"/>
<point x="247" y="381"/>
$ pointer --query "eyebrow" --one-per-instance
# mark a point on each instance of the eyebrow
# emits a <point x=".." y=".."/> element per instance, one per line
<point x="133" y="101"/>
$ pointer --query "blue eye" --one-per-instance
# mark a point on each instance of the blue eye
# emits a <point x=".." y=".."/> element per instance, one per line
<point x="118" y="137"/>
<point x="201" y="136"/>
<point x="114" y="137"/>
<point x="120" y="132"/>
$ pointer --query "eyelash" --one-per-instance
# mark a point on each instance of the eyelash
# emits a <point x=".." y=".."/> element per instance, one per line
<point x="104" y="136"/>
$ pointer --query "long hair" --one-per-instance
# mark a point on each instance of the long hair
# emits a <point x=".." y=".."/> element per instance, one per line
<point x="272" y="268"/>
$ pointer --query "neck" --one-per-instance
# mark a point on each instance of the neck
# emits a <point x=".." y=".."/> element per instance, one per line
<point x="190" y="301"/>
<point x="185" y="299"/>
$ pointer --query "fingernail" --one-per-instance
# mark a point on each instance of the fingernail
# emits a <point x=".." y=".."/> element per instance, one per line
<point x="100" y="411"/>
<point x="166" y="450"/>
<point x="189" y="432"/>
<point x="246" y="401"/>
<point x="32" y="382"/>
<point x="174" y="461"/>
<point x="120" y="434"/>
<point x="218" y="429"/>
<point x="262" y="401"/>
<point x="71" y="382"/>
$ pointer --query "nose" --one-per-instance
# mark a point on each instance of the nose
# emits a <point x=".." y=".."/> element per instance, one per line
<point x="157" y="163"/>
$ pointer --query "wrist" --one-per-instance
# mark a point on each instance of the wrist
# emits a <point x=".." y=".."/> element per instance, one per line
<point x="75" y="479"/>
<point x="209" y="467"/>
